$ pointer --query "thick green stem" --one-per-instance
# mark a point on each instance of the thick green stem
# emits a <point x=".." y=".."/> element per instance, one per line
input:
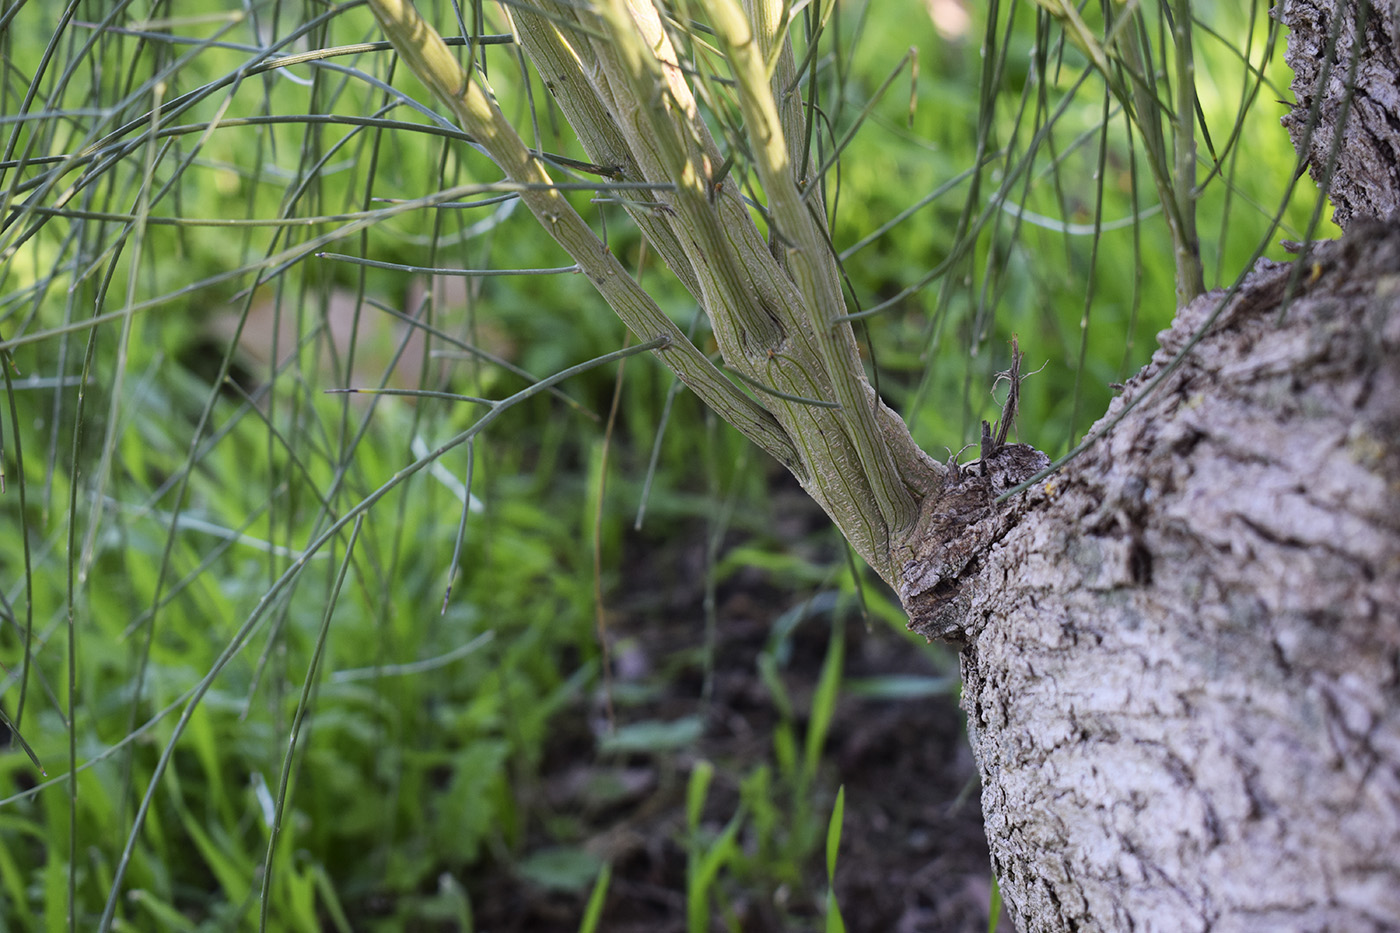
<point x="770" y="24"/>
<point x="429" y="59"/>
<point x="566" y="69"/>
<point x="812" y="266"/>
<point x="613" y="69"/>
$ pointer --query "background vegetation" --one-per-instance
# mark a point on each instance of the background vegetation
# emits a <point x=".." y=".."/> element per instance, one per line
<point x="246" y="621"/>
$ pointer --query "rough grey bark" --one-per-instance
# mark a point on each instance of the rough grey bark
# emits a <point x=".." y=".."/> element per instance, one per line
<point x="1366" y="180"/>
<point x="1183" y="661"/>
<point x="1182" y="654"/>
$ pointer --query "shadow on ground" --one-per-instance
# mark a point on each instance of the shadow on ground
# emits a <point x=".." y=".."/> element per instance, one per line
<point x="913" y="858"/>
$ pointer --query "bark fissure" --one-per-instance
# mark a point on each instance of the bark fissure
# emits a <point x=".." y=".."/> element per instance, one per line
<point x="1366" y="182"/>
<point x="1230" y="758"/>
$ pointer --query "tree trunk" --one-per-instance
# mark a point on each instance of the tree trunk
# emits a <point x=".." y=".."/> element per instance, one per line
<point x="1363" y="157"/>
<point x="1183" y="664"/>
<point x="1182" y="653"/>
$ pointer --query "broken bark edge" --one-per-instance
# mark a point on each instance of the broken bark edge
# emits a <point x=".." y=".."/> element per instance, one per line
<point x="956" y="527"/>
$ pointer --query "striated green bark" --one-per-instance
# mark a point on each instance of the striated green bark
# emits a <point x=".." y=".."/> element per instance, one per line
<point x="774" y="300"/>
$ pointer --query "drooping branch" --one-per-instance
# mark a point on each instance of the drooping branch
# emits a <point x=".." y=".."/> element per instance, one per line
<point x="1120" y="60"/>
<point x="429" y="59"/>
<point x="615" y="71"/>
<point x="811" y="264"/>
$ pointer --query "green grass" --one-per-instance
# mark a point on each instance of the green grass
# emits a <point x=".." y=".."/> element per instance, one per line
<point x="160" y="523"/>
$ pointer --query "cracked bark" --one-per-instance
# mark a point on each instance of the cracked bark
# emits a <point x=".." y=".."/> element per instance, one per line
<point x="1181" y="654"/>
<point x="1182" y="672"/>
<point x="1366" y="180"/>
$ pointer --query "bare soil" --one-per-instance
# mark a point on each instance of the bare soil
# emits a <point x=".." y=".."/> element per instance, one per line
<point x="913" y="856"/>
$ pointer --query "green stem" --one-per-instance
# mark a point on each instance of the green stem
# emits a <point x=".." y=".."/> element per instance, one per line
<point x="429" y="59"/>
<point x="812" y="266"/>
<point x="1190" y="280"/>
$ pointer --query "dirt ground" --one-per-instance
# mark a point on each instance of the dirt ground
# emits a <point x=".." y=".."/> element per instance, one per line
<point x="913" y="857"/>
